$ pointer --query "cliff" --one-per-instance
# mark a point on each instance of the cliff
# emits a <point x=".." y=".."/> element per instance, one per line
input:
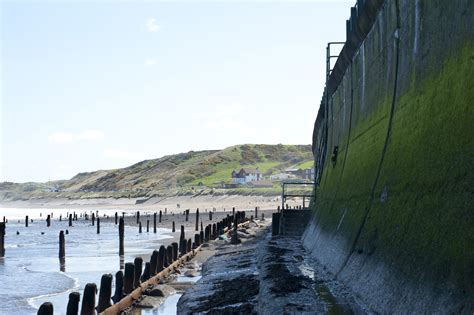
<point x="393" y="218"/>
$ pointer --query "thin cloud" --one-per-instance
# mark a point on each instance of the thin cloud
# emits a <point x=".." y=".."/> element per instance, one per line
<point x="150" y="62"/>
<point x="91" y="135"/>
<point x="152" y="26"/>
<point x="69" y="137"/>
<point x="60" y="138"/>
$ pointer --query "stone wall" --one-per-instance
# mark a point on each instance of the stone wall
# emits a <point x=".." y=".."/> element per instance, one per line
<point x="394" y="214"/>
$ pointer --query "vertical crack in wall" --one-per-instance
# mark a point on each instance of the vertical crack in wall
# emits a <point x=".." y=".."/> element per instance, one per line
<point x="387" y="138"/>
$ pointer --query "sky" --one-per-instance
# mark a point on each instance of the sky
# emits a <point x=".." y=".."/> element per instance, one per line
<point x="89" y="85"/>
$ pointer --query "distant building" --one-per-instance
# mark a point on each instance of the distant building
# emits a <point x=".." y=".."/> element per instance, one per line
<point x="298" y="172"/>
<point x="246" y="175"/>
<point x="280" y="176"/>
<point x="309" y="173"/>
<point x="261" y="184"/>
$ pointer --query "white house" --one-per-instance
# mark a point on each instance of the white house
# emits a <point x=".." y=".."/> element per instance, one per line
<point x="246" y="175"/>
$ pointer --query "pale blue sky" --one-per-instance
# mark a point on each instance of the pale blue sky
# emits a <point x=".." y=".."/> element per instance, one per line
<point x="89" y="85"/>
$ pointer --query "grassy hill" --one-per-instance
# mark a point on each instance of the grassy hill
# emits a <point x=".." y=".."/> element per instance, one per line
<point x="194" y="172"/>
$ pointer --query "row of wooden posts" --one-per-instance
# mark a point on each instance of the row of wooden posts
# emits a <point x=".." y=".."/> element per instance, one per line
<point x="134" y="275"/>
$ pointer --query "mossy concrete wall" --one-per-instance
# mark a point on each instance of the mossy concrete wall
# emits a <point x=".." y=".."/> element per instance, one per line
<point x="394" y="216"/>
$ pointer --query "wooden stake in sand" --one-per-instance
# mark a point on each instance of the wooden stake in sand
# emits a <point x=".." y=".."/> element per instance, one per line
<point x="105" y="292"/>
<point x="197" y="219"/>
<point x="70" y="220"/>
<point x="26" y="221"/>
<point x="118" y="287"/>
<point x="138" y="216"/>
<point x="46" y="309"/>
<point x="128" y="278"/>
<point x="48" y="220"/>
<point x="88" y="300"/>
<point x="147" y="226"/>
<point x="173" y="229"/>
<point x="2" y="239"/>
<point x="154" y="222"/>
<point x="121" y="235"/>
<point x="73" y="303"/>
<point x="175" y="251"/>
<point x="161" y="214"/>
<point x="98" y="225"/>
<point x="62" y="247"/>
<point x="187" y="215"/>
<point x="116" y="218"/>
<point x="138" y="263"/>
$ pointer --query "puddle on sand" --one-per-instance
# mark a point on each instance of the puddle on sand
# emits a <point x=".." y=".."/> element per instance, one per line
<point x="169" y="307"/>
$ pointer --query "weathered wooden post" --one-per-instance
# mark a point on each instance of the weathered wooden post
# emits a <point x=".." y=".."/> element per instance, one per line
<point x="154" y="222"/>
<point x="98" y="225"/>
<point x="181" y="238"/>
<point x="173" y="229"/>
<point x="147" y="226"/>
<point x="138" y="262"/>
<point x="105" y="292"/>
<point x="26" y="221"/>
<point x="146" y="273"/>
<point x="48" y="220"/>
<point x="46" y="309"/>
<point x="214" y="231"/>
<point x="88" y="300"/>
<point x="161" y="214"/>
<point x="169" y="254"/>
<point x="116" y="218"/>
<point x="234" y="239"/>
<point x="118" y="287"/>
<point x="256" y="213"/>
<point x="196" y="240"/>
<point x="175" y="251"/>
<point x="2" y="239"/>
<point x="153" y="263"/>
<point x="197" y="220"/>
<point x="187" y="215"/>
<point x="73" y="303"/>
<point x="138" y="216"/>
<point x="263" y="217"/>
<point x="161" y="259"/>
<point x="189" y="246"/>
<point x="70" y="220"/>
<point x="121" y="235"/>
<point x="62" y="247"/>
<point x="206" y="234"/>
<point x="93" y="218"/>
<point x="201" y="237"/>
<point x="140" y="227"/>
<point x="201" y="226"/>
<point x="128" y="278"/>
<point x="210" y="215"/>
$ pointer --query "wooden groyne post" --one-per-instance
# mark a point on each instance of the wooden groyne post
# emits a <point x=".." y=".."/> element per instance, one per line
<point x="154" y="222"/>
<point x="48" y="220"/>
<point x="118" y="287"/>
<point x="73" y="303"/>
<point x="161" y="214"/>
<point x="138" y="263"/>
<point x="256" y="213"/>
<point x="26" y="221"/>
<point x="138" y="216"/>
<point x="116" y="218"/>
<point x="147" y="226"/>
<point x="98" y="225"/>
<point x="187" y="215"/>
<point x="174" y="228"/>
<point x="128" y="278"/>
<point x="2" y="239"/>
<point x="46" y="309"/>
<point x="62" y="245"/>
<point x="88" y="300"/>
<point x="105" y="292"/>
<point x="70" y="220"/>
<point x="121" y="235"/>
<point x="197" y="219"/>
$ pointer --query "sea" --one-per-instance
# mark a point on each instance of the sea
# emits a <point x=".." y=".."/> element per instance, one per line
<point x="31" y="272"/>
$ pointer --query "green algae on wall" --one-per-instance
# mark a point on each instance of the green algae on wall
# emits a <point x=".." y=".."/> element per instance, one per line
<point x="394" y="216"/>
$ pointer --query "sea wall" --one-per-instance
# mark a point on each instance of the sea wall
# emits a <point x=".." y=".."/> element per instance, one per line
<point x="394" y="214"/>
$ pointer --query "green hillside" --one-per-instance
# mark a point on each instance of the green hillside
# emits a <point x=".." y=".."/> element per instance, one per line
<point x="194" y="172"/>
